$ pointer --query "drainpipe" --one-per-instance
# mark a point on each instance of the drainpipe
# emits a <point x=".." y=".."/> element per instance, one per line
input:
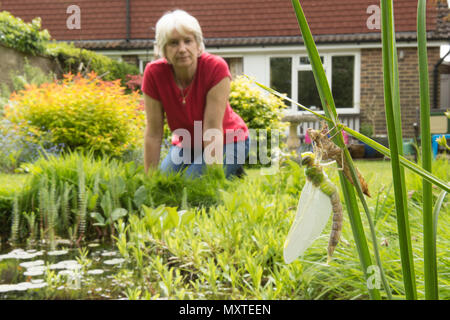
<point x="435" y="77"/>
<point x="128" y="20"/>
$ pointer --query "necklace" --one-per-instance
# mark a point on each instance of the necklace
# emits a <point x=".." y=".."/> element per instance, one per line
<point x="184" y="96"/>
<point x="180" y="86"/>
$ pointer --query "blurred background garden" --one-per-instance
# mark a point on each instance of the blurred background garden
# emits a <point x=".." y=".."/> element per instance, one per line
<point x="73" y="191"/>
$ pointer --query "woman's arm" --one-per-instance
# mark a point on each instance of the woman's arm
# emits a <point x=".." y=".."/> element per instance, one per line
<point x="154" y="131"/>
<point x="216" y="103"/>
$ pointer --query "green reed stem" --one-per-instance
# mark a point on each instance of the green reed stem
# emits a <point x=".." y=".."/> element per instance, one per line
<point x="429" y="242"/>
<point x="330" y="111"/>
<point x="393" y="120"/>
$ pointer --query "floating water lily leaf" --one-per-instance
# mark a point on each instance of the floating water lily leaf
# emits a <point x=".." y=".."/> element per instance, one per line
<point x="57" y="252"/>
<point x="21" y="286"/>
<point x="31" y="264"/>
<point x="35" y="271"/>
<point x="95" y="271"/>
<point x="114" y="261"/>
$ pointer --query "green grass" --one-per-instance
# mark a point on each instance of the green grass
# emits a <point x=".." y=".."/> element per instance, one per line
<point x="11" y="183"/>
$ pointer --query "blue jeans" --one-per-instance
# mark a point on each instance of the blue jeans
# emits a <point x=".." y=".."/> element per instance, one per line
<point x="179" y="159"/>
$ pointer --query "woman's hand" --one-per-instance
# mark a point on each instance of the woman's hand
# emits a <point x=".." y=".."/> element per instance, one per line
<point x="154" y="131"/>
<point x="216" y="103"/>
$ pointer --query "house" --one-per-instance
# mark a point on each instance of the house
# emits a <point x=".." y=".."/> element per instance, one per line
<point x="261" y="38"/>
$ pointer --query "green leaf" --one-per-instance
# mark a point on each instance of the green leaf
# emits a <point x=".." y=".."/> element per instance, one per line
<point x="329" y="108"/>
<point x="393" y="121"/>
<point x="429" y="239"/>
<point x="171" y="218"/>
<point x="92" y="200"/>
<point x="118" y="213"/>
<point x="97" y="217"/>
<point x="140" y="196"/>
<point x="152" y="216"/>
<point x="106" y="204"/>
<point x="186" y="216"/>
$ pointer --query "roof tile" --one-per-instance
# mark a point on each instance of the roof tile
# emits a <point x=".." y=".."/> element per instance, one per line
<point x="243" y="19"/>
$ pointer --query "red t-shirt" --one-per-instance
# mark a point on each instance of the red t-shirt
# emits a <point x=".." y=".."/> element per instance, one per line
<point x="159" y="83"/>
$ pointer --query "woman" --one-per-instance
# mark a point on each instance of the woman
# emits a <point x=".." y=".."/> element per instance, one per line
<point x="191" y="88"/>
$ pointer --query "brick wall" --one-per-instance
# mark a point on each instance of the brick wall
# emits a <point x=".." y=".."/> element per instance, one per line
<point x="372" y="97"/>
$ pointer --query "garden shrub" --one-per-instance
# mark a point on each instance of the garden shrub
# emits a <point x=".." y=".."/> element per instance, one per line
<point x="79" y="114"/>
<point x="22" y="36"/>
<point x="259" y="111"/>
<point x="71" y="57"/>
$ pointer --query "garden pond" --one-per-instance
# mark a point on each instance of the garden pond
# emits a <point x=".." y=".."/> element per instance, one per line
<point x="88" y="272"/>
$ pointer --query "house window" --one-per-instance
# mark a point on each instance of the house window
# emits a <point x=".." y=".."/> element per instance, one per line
<point x="342" y="75"/>
<point x="235" y="65"/>
<point x="293" y="76"/>
<point x="280" y="75"/>
<point x="143" y="63"/>
<point x="307" y="90"/>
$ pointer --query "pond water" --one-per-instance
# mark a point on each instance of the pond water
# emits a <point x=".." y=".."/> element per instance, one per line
<point x="88" y="272"/>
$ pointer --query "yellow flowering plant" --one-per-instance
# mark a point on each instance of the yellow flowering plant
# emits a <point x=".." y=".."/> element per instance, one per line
<point x="80" y="113"/>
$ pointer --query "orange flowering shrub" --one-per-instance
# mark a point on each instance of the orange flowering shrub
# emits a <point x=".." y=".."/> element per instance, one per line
<point x="80" y="114"/>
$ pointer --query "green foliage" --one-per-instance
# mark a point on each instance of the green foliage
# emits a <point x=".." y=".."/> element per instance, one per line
<point x="73" y="59"/>
<point x="260" y="112"/>
<point x="79" y="114"/>
<point x="24" y="37"/>
<point x="234" y="250"/>
<point x="366" y="129"/>
<point x="76" y="196"/>
<point x="29" y="76"/>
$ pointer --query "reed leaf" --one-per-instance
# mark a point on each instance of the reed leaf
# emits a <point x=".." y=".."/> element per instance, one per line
<point x="429" y="242"/>
<point x="349" y="194"/>
<point x="393" y="120"/>
<point x="437" y="208"/>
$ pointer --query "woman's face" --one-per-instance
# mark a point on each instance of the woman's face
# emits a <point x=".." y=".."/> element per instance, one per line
<point x="182" y="51"/>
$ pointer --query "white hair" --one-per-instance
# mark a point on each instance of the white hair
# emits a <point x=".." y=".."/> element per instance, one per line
<point x="180" y="21"/>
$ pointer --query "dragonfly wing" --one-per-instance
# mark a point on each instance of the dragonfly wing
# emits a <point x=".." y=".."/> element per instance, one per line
<point x="313" y="212"/>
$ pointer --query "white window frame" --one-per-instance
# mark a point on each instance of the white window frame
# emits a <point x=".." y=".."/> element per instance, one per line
<point x="327" y="60"/>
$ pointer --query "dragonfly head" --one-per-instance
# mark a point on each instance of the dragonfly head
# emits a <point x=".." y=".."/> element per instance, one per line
<point x="308" y="158"/>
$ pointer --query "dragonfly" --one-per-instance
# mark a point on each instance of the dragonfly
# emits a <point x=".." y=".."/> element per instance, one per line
<point x="330" y="151"/>
<point x="318" y="199"/>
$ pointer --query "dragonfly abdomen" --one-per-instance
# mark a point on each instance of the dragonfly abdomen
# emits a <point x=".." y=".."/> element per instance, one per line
<point x="336" y="227"/>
